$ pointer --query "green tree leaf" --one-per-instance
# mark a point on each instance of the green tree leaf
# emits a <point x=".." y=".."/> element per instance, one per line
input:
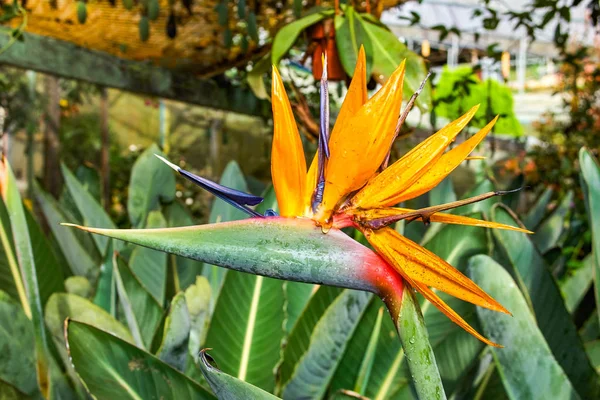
<point x="151" y="183"/>
<point x="286" y="36"/>
<point x="526" y="364"/>
<point x="313" y="372"/>
<point x="350" y="35"/>
<point x="388" y="53"/>
<point x="542" y="293"/>
<point x="548" y="233"/>
<point x="575" y="286"/>
<point x="197" y="297"/>
<point x="247" y="328"/>
<point x="227" y="387"/>
<point x="99" y="357"/>
<point x="536" y="214"/>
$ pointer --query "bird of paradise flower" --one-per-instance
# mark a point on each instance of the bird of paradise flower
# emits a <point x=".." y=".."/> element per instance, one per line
<point x="348" y="184"/>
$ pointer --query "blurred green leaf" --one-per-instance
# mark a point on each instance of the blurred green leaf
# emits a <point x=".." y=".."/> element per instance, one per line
<point x="106" y="291"/>
<point x="91" y="211"/>
<point x="255" y="77"/>
<point x="526" y="364"/>
<point x="78" y="258"/>
<point x="26" y="261"/>
<point x="299" y="338"/>
<point x="542" y="293"/>
<point x="313" y="372"/>
<point x="8" y="263"/>
<point x="232" y="177"/>
<point x="286" y="36"/>
<point x="99" y="357"/>
<point x="79" y="286"/>
<point x="17" y="343"/>
<point x="151" y="183"/>
<point x="297" y="295"/>
<point x="142" y="311"/>
<point x="575" y="286"/>
<point x="590" y="173"/>
<point x="386" y="375"/>
<point x="593" y="350"/>
<point x="350" y="34"/>
<point x="197" y="297"/>
<point x="247" y="328"/>
<point x="175" y="339"/>
<point x="9" y="392"/>
<point x="227" y="387"/>
<point x="536" y="213"/>
<point x="187" y="269"/>
<point x="548" y="233"/>
<point x="388" y="53"/>
<point x="150" y="266"/>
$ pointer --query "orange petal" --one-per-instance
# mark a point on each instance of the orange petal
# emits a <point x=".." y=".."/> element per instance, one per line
<point x="422" y="266"/>
<point x="450" y="313"/>
<point x="386" y="188"/>
<point x="446" y="164"/>
<point x="359" y="143"/>
<point x="288" y="165"/>
<point x="356" y="96"/>
<point x="443" y="218"/>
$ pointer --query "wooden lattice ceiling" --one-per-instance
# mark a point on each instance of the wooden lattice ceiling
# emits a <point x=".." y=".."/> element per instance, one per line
<point x="198" y="47"/>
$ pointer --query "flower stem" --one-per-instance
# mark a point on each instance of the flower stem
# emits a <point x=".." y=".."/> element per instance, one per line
<point x="410" y="325"/>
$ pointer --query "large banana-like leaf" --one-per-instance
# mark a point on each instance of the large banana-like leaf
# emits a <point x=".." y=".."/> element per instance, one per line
<point x="100" y="358"/>
<point x="17" y="343"/>
<point x="350" y="35"/>
<point x="150" y="266"/>
<point x="538" y="211"/>
<point x="186" y="269"/>
<point x="527" y="366"/>
<point x="197" y="297"/>
<point x="142" y="311"/>
<point x="550" y="230"/>
<point x="175" y="339"/>
<point x="91" y="211"/>
<point x="590" y="173"/>
<point x="227" y="387"/>
<point x="247" y="328"/>
<point x="313" y="372"/>
<point x="28" y="270"/>
<point x="540" y="289"/>
<point x="80" y="262"/>
<point x="150" y="184"/>
<point x="575" y="286"/>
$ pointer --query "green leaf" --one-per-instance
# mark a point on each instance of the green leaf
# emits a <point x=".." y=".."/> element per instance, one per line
<point x="100" y="358"/>
<point x="535" y="215"/>
<point x="150" y="266"/>
<point x="174" y="346"/>
<point x="26" y="260"/>
<point x="222" y="212"/>
<point x="593" y="350"/>
<point x="197" y="297"/>
<point x="313" y="372"/>
<point x="17" y="343"/>
<point x="526" y="363"/>
<point x="9" y="392"/>
<point x="546" y="235"/>
<point x="187" y="269"/>
<point x="299" y="338"/>
<point x="142" y="311"/>
<point x="247" y="328"/>
<point x="388" y="53"/>
<point x="227" y="387"/>
<point x="63" y="305"/>
<point x="542" y="293"/>
<point x="575" y="286"/>
<point x="297" y="295"/>
<point x="151" y="183"/>
<point x="11" y="281"/>
<point x="350" y="34"/>
<point x="92" y="212"/>
<point x="255" y="77"/>
<point x="372" y="363"/>
<point x="590" y="173"/>
<point x="78" y="258"/>
<point x="286" y="36"/>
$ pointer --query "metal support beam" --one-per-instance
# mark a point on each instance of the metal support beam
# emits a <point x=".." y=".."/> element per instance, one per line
<point x="63" y="59"/>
